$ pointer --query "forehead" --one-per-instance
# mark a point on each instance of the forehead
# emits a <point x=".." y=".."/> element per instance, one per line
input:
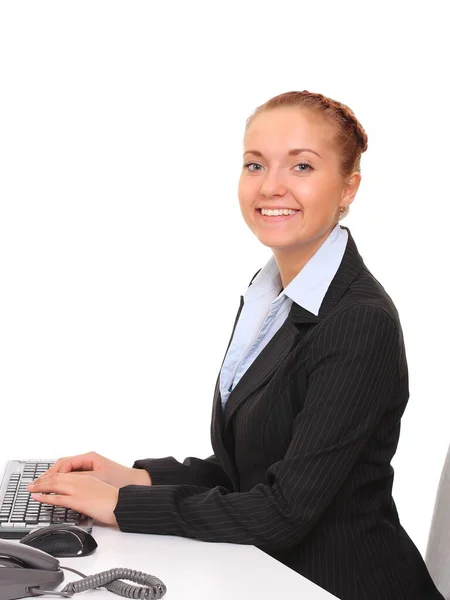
<point x="280" y="129"/>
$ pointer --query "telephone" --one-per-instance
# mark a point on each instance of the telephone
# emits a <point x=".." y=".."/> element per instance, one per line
<point x="24" y="569"/>
<point x="27" y="571"/>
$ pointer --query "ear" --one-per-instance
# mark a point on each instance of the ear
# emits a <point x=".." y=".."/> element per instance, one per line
<point x="350" y="188"/>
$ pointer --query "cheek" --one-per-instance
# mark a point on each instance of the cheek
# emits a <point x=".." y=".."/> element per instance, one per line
<point x="320" y="196"/>
<point x="246" y="196"/>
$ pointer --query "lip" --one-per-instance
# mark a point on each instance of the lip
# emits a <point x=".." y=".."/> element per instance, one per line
<point x="277" y="219"/>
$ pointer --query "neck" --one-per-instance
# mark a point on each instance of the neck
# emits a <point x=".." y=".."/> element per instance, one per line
<point x="291" y="261"/>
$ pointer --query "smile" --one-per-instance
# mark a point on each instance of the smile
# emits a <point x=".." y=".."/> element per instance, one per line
<point x="278" y="218"/>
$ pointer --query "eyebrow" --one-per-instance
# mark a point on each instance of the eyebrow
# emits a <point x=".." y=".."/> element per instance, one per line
<point x="293" y="152"/>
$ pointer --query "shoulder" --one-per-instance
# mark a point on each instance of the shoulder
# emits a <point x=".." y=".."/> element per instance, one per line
<point x="364" y="309"/>
<point x="364" y="328"/>
<point x="368" y="317"/>
<point x="361" y="340"/>
<point x="366" y="301"/>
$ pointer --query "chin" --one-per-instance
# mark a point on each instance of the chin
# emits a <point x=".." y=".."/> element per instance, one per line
<point x="280" y="243"/>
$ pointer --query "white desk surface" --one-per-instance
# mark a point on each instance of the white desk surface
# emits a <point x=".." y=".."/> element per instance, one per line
<point x="194" y="570"/>
<point x="191" y="569"/>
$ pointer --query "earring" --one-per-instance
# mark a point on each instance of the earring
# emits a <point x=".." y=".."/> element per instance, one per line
<point x="342" y="209"/>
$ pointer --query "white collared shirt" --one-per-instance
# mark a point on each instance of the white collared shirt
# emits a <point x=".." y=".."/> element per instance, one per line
<point x="265" y="309"/>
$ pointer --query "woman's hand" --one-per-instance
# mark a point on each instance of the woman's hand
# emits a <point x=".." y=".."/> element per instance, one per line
<point x="100" y="468"/>
<point x="80" y="492"/>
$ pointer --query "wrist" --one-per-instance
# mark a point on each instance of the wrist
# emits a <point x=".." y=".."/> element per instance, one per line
<point x="113" y="520"/>
<point x="142" y="477"/>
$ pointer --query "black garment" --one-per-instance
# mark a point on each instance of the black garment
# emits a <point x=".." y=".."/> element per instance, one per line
<point x="301" y="465"/>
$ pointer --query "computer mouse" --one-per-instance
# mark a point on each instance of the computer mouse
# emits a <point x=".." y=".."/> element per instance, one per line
<point x="61" y="540"/>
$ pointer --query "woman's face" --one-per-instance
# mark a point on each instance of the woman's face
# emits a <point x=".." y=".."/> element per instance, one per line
<point x="308" y="182"/>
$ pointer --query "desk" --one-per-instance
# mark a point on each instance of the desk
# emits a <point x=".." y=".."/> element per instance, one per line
<point x="193" y="570"/>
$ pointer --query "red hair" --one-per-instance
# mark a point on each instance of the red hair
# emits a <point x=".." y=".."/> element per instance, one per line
<point x="349" y="138"/>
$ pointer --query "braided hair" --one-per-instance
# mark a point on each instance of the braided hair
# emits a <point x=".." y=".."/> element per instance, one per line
<point x="350" y="137"/>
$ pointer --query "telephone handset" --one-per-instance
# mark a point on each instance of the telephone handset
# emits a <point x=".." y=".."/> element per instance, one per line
<point x="27" y="571"/>
<point x="24" y="569"/>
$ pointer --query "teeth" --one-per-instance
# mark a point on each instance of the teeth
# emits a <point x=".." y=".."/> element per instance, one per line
<point x="278" y="213"/>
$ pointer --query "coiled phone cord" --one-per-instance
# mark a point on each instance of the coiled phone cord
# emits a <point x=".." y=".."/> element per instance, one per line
<point x="153" y="588"/>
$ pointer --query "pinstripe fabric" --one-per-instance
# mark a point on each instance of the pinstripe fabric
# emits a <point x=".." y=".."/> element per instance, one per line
<point x="265" y="308"/>
<point x="301" y="465"/>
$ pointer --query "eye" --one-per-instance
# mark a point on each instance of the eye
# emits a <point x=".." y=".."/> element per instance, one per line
<point x="302" y="164"/>
<point x="309" y="167"/>
<point x="247" y="165"/>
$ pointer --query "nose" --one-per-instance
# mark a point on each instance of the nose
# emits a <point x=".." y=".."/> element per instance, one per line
<point x="273" y="184"/>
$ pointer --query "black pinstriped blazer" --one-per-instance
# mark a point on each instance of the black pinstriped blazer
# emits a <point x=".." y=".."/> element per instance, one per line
<point x="301" y="465"/>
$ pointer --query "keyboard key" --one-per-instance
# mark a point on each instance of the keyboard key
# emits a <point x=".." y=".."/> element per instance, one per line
<point x="19" y="511"/>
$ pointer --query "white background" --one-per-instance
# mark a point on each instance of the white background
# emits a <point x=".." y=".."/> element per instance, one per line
<point x="123" y="252"/>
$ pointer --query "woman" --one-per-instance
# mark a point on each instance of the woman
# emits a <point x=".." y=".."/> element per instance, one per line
<point x="308" y="401"/>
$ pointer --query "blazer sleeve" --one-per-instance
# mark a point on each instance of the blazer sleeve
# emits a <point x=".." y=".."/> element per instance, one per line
<point x="353" y="372"/>
<point x="193" y="471"/>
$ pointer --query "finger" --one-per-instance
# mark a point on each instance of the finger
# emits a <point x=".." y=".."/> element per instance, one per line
<point x="74" y="463"/>
<point x="82" y="462"/>
<point x="68" y="464"/>
<point x="71" y="473"/>
<point x="62" y="465"/>
<point x="55" y="500"/>
<point x="58" y="483"/>
<point x="55" y="467"/>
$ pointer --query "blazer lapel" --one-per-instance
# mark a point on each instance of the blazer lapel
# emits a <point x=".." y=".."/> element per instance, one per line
<point x="217" y="425"/>
<point x="222" y="449"/>
<point x="351" y="265"/>
<point x="290" y="334"/>
<point x="259" y="372"/>
<point x="270" y="358"/>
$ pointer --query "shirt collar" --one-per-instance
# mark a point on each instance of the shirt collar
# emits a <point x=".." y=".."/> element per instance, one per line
<point x="310" y="285"/>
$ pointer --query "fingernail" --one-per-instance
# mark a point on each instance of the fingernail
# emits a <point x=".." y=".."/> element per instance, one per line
<point x="35" y="496"/>
<point x="30" y="486"/>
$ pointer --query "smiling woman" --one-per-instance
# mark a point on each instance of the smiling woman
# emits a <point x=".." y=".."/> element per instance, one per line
<point x="320" y="177"/>
<point x="309" y="397"/>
